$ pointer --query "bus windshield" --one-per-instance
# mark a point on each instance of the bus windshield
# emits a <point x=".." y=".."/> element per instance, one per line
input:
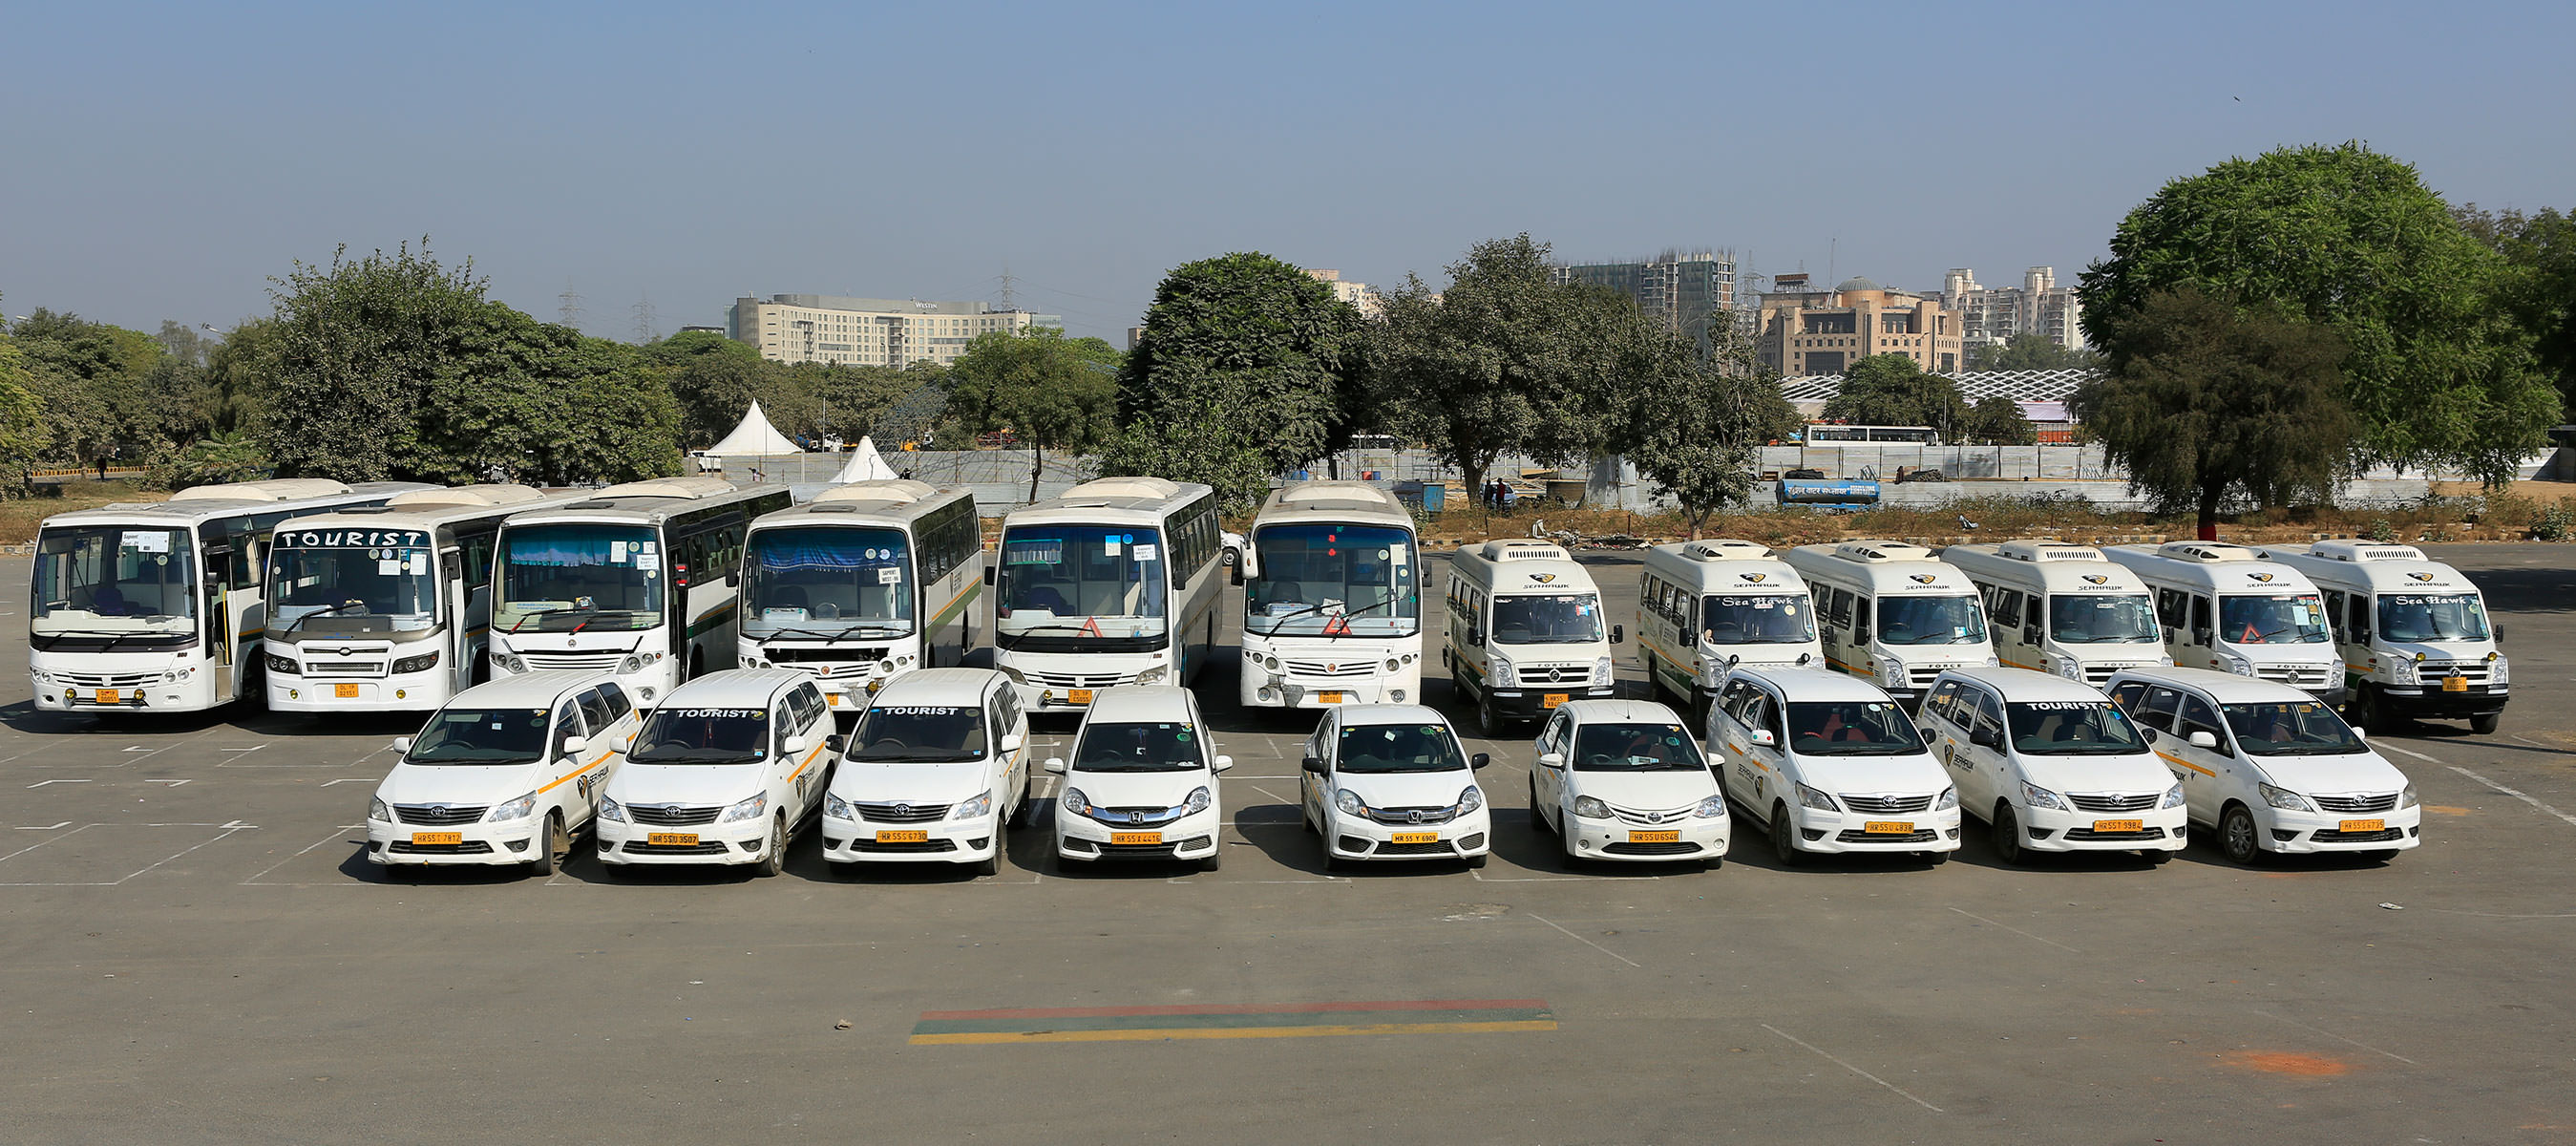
<point x="342" y="588"/>
<point x="1065" y="588"/>
<point x="1349" y="580"/>
<point x="556" y="578"/>
<point x="113" y="581"/>
<point x="2432" y="617"/>
<point x="1930" y="621"/>
<point x="1554" y="619"/>
<point x="1771" y="620"/>
<point x="2274" y="619"/>
<point x="2080" y="620"/>
<point x="815" y="581"/>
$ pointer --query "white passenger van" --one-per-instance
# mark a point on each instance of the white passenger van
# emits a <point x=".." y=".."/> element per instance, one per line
<point x="1114" y="583"/>
<point x="1893" y="615"/>
<point x="504" y="773"/>
<point x="1704" y="606"/>
<point x="157" y="605"/>
<point x="2051" y="765"/>
<point x="1526" y="631"/>
<point x="2413" y="633"/>
<point x="938" y="767"/>
<point x="2224" y="607"/>
<point x="724" y="772"/>
<point x="386" y="608"/>
<point x="867" y="582"/>
<point x="637" y="579"/>
<point x="1332" y="599"/>
<point x="2063" y="609"/>
<point x="1827" y="763"/>
<point x="1142" y="782"/>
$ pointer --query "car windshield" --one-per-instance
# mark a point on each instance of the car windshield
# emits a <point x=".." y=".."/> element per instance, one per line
<point x="481" y="736"/>
<point x="346" y="581"/>
<point x="1773" y="620"/>
<point x="920" y="734"/>
<point x="1636" y="748"/>
<point x="1397" y="748"/>
<point x="2432" y="617"/>
<point x="1139" y="746"/>
<point x="2074" y="619"/>
<point x="2272" y="619"/>
<point x="563" y="578"/>
<point x="1850" y="728"/>
<point x="2291" y="728"/>
<point x="1343" y="580"/>
<point x="827" y="582"/>
<point x="2071" y="728"/>
<point x="703" y="736"/>
<point x="1080" y="588"/>
<point x="1548" y="619"/>
<point x="113" y="580"/>
<point x="1930" y="621"/>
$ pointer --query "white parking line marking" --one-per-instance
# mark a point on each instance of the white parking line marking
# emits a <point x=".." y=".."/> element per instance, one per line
<point x="2524" y="797"/>
<point x="46" y="840"/>
<point x="2338" y="1038"/>
<point x="43" y="827"/>
<point x="345" y="780"/>
<point x="172" y="783"/>
<point x="1587" y="942"/>
<point x="335" y="834"/>
<point x="229" y="829"/>
<point x="42" y="783"/>
<point x="2403" y="752"/>
<point x="2016" y="931"/>
<point x="1855" y="1070"/>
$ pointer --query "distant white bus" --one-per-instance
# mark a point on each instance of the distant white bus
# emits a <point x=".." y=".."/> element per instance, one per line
<point x="867" y="582"/>
<point x="1116" y="582"/>
<point x="1332" y="605"/>
<point x="386" y="608"/>
<point x="1836" y="432"/>
<point x="638" y="579"/>
<point x="156" y="605"/>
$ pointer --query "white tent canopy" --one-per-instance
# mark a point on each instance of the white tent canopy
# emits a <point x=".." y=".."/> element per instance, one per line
<point x="755" y="436"/>
<point x="865" y="464"/>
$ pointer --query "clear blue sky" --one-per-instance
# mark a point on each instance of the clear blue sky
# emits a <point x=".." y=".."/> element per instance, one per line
<point x="164" y="160"/>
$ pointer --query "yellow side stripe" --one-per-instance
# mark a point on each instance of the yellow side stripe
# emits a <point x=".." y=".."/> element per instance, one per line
<point x="2186" y="763"/>
<point x="594" y="763"/>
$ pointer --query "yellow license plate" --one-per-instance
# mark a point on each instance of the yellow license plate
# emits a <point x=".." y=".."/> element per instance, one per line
<point x="672" y="839"/>
<point x="437" y="838"/>
<point x="1417" y="837"/>
<point x="2455" y="683"/>
<point x="832" y="698"/>
<point x="1078" y="696"/>
<point x="108" y="696"/>
<point x="345" y="691"/>
<point x="1135" y="837"/>
<point x="2118" y="825"/>
<point x="1551" y="700"/>
<point x="1889" y="827"/>
<point x="1672" y="837"/>
<point x="1329" y="697"/>
<point x="912" y="836"/>
<point x="2364" y="825"/>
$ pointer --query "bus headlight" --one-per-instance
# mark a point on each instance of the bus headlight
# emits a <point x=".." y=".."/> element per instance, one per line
<point x="749" y="662"/>
<point x="285" y="665"/>
<point x="174" y="676"/>
<point x="1153" y="674"/>
<point x="509" y="664"/>
<point x="631" y="665"/>
<point x="421" y="663"/>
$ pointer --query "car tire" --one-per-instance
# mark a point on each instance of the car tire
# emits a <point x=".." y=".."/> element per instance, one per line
<point x="2239" y="837"/>
<point x="2486" y="723"/>
<point x="1231" y="557"/>
<point x="1538" y="817"/>
<point x="1784" y="838"/>
<point x="2378" y="855"/>
<point x="776" y="860"/>
<point x="1489" y="720"/>
<point x="1935" y="859"/>
<point x="1478" y="860"/>
<point x="2362" y="710"/>
<point x="992" y="864"/>
<point x="2007" y="835"/>
<point x="1335" y="865"/>
<point x="2158" y="857"/>
<point x="1215" y="860"/>
<point x="1712" y="863"/>
<point x="543" y="863"/>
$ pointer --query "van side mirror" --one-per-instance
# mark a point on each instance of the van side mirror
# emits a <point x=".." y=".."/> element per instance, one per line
<point x="1689" y="637"/>
<point x="402" y="746"/>
<point x="1551" y="760"/>
<point x="1314" y="764"/>
<point x="1478" y="761"/>
<point x="2204" y="740"/>
<point x="2203" y="636"/>
<point x="1618" y="634"/>
<point x="1055" y="765"/>
<point x="1223" y="764"/>
<point x="1475" y="639"/>
<point x="1762" y="738"/>
<point x="1860" y="632"/>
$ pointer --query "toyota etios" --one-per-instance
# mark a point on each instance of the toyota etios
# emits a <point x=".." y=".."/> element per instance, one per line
<point x="1624" y="780"/>
<point x="723" y="773"/>
<point x="1142" y="781"/>
<point x="505" y="773"/>
<point x="1828" y="763"/>
<point x="1388" y="781"/>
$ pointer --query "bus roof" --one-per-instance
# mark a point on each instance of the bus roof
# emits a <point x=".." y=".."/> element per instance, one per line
<point x="431" y="508"/>
<point x="648" y="502"/>
<point x="897" y="502"/>
<point x="1336" y="502"/>
<point x="206" y="503"/>
<point x="1116" y="499"/>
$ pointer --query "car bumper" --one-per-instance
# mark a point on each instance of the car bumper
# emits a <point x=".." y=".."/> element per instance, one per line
<point x="1357" y="838"/>
<point x="1191" y="837"/>
<point x="1931" y="831"/>
<point x="941" y="841"/>
<point x="740" y="842"/>
<point x="478" y="844"/>
<point x="2055" y="830"/>
<point x="1695" y="838"/>
<point x="2297" y="833"/>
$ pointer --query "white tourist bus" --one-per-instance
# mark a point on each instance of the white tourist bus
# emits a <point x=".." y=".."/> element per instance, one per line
<point x="1332" y="609"/>
<point x="637" y="579"/>
<point x="386" y="608"/>
<point x="156" y="605"/>
<point x="1116" y="582"/>
<point x="867" y="582"/>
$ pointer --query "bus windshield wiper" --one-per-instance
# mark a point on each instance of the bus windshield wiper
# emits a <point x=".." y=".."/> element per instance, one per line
<point x="327" y="610"/>
<point x="1345" y="614"/>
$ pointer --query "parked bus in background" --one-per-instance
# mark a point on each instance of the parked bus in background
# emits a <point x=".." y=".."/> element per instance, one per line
<point x="2413" y="633"/>
<point x="867" y="582"/>
<point x="386" y="608"/>
<point x="1116" y="582"/>
<point x="2063" y="609"/>
<point x="1332" y="604"/>
<point x="1838" y="432"/>
<point x="156" y="605"/>
<point x="637" y="579"/>
<point x="1705" y="606"/>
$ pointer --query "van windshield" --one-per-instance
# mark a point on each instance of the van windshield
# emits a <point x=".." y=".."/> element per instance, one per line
<point x="1774" y="620"/>
<point x="921" y="734"/>
<point x="481" y="736"/>
<point x="2432" y="617"/>
<point x="1930" y="621"/>
<point x="2273" y="618"/>
<point x="2071" y="728"/>
<point x="1554" y="619"/>
<point x="2081" y="620"/>
<point x="2291" y="728"/>
<point x="703" y="736"/>
<point x="1850" y="728"/>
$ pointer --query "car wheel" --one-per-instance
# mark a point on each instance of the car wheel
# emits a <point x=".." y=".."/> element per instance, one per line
<point x="1784" y="837"/>
<point x="552" y="843"/>
<point x="1306" y="821"/>
<point x="2239" y="836"/>
<point x="1935" y="859"/>
<point x="776" y="860"/>
<point x="2363" y="712"/>
<point x="992" y="864"/>
<point x="1231" y="557"/>
<point x="2007" y="835"/>
<point x="2485" y="723"/>
<point x="1538" y="817"/>
<point x="1333" y="864"/>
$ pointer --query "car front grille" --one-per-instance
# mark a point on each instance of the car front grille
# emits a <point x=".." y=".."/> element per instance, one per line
<point x="2472" y="672"/>
<point x="1675" y="848"/>
<point x="1434" y="848"/>
<point x="438" y="814"/>
<point x="671" y="816"/>
<point x="468" y="848"/>
<point x="701" y="848"/>
<point x="1880" y="804"/>
<point x="1136" y="817"/>
<point x="1074" y="680"/>
<point x="1404" y="817"/>
<point x="2095" y="802"/>
<point x="916" y="846"/>
<point x="2363" y="803"/>
<point x="887" y="813"/>
<point x="1858" y="836"/>
<point x="2088" y="834"/>
<point x="2385" y="835"/>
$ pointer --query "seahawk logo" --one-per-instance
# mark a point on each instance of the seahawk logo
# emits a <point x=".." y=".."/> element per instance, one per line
<point x="1543" y="578"/>
<point x="1756" y="578"/>
<point x="2421" y="576"/>
<point x="1923" y="578"/>
<point x="2096" y="578"/>
<point x="2263" y="577"/>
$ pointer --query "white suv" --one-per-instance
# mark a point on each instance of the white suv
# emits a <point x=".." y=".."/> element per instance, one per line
<point x="1829" y="763"/>
<point x="2052" y="765"/>
<point x="725" y="769"/>
<point x="1142" y="781"/>
<point x="939" y="764"/>
<point x="505" y="773"/>
<point x="1624" y="780"/>
<point x="1389" y="781"/>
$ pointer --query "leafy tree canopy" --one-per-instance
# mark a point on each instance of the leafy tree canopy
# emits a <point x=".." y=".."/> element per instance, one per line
<point x="2539" y="284"/>
<point x="1698" y="437"/>
<point x="1892" y="390"/>
<point x="2029" y="351"/>
<point x="1054" y="393"/>
<point x="1260" y="340"/>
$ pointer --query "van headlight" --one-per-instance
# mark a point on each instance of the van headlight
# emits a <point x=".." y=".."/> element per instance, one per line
<point x="1504" y="674"/>
<point x="1817" y="800"/>
<point x="631" y="665"/>
<point x="1601" y="671"/>
<point x="2284" y="798"/>
<point x="1891" y="672"/>
<point x="1199" y="800"/>
<point x="1349" y="802"/>
<point x="2066" y="667"/>
<point x="2498" y="671"/>
<point x="2032" y="794"/>
<point x="611" y="810"/>
<point x="508" y="663"/>
<point x="1710" y="808"/>
<point x="981" y="804"/>
<point x="2402" y="670"/>
<point x="1591" y="808"/>
<point x="422" y="663"/>
<point x="747" y="810"/>
<point x="514" y="809"/>
<point x="2236" y="664"/>
<point x="748" y="661"/>
<point x="175" y="676"/>
<point x="2173" y="797"/>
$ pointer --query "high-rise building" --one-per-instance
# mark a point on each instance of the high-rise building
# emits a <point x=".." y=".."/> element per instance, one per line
<point x="1683" y="291"/>
<point x="868" y="331"/>
<point x="1355" y="293"/>
<point x="1995" y="314"/>
<point x="1805" y="331"/>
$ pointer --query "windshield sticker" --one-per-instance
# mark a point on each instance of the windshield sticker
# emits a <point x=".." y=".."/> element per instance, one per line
<point x="420" y="564"/>
<point x="1145" y="553"/>
<point x="389" y="568"/>
<point x="1399" y="553"/>
<point x="782" y="613"/>
<point x="926" y="710"/>
<point x="1047" y="551"/>
<point x="648" y="562"/>
<point x="2063" y="705"/>
<point x="1109" y="546"/>
<point x="890" y="575"/>
<point x="717" y="713"/>
<point x="147" y="541"/>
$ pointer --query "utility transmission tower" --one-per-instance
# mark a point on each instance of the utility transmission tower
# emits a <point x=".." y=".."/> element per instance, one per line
<point x="1010" y="297"/>
<point x="570" y="310"/>
<point x="648" y="326"/>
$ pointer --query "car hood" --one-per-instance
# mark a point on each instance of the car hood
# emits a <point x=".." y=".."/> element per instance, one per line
<point x="696" y="785"/>
<point x="1140" y="789"/>
<point x="2353" y="772"/>
<point x="1646" y="790"/>
<point x="1914" y="772"/>
<point x="460" y="784"/>
<point x="1405" y="789"/>
<point x="2134" y="773"/>
<point x="883" y="782"/>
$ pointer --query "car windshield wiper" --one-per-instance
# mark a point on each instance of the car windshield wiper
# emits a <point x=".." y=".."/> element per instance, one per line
<point x="950" y="757"/>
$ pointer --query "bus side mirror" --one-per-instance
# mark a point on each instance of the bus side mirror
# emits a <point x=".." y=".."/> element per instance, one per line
<point x="733" y="576"/>
<point x="1688" y="637"/>
<point x="989" y="574"/>
<point x="2498" y="630"/>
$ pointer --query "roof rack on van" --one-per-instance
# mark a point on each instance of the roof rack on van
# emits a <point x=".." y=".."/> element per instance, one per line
<point x="463" y="495"/>
<point x="2206" y="551"/>
<point x="1881" y="551"/>
<point x="2047" y="549"/>
<point x="1520" y="550"/>
<point x="682" y="487"/>
<point x="276" y="489"/>
<point x="1725" y="549"/>
<point x="2364" y="551"/>
<point x="891" y="491"/>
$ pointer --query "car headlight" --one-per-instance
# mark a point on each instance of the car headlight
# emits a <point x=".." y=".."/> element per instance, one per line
<point x="513" y="809"/>
<point x="1153" y="674"/>
<point x="1199" y="800"/>
<point x="1591" y="808"/>
<point x="837" y="808"/>
<point x="285" y="665"/>
<point x="1601" y="671"/>
<point x="2173" y="797"/>
<point x="611" y="810"/>
<point x="422" y="663"/>
<point x="1349" y="802"/>
<point x="2037" y="797"/>
<point x="1077" y="803"/>
<point x="1470" y="799"/>
<point x="2284" y="798"/>
<point x="981" y="804"/>
<point x="747" y="810"/>
<point x="1817" y="800"/>
<point x="2406" y="799"/>
<point x="376" y="809"/>
<point x="1949" y="799"/>
<point x="1710" y="808"/>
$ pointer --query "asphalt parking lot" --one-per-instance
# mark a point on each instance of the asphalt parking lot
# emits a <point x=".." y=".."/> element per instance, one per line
<point x="195" y="950"/>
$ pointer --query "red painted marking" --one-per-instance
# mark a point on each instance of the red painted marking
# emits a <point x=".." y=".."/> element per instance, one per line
<point x="1225" y="1009"/>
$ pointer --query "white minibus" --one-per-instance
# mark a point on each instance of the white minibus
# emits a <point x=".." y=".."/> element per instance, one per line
<point x="1893" y="615"/>
<point x="867" y="582"/>
<point x="637" y="579"/>
<point x="1332" y="601"/>
<point x="2063" y="609"/>
<point x="1704" y="606"/>
<point x="156" y="605"/>
<point x="1526" y="632"/>
<point x="2224" y="607"/>
<point x="2413" y="633"/>
<point x="386" y="608"/>
<point x="1114" y="583"/>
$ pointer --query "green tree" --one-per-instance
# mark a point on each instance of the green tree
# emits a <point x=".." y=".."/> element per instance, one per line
<point x="2538" y="286"/>
<point x="106" y="391"/>
<point x="1205" y="443"/>
<point x="1257" y="340"/>
<point x="715" y="379"/>
<point x="1053" y="392"/>
<point x="1997" y="420"/>
<point x="2030" y="351"/>
<point x="1699" y="439"/>
<point x="227" y="456"/>
<point x="1891" y="390"/>
<point x="2342" y="236"/>
<point x="22" y="421"/>
<point x="2205" y="402"/>
<point x="358" y="346"/>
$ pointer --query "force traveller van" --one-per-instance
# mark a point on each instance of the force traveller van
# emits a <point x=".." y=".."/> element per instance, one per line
<point x="1705" y="606"/>
<point x="2063" y="609"/>
<point x="2224" y="607"/>
<point x="2413" y="633"/>
<point x="1893" y="615"/>
<point x="1526" y="631"/>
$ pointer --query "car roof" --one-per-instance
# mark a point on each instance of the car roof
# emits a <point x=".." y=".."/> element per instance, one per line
<point x="1367" y="715"/>
<point x="1139" y="702"/>
<point x="938" y="686"/>
<point x="1801" y="684"/>
<point x="2018" y="684"/>
<point x="529" y="690"/>
<point x="1635" y="711"/>
<point x="732" y="688"/>
<point x="2223" y="687"/>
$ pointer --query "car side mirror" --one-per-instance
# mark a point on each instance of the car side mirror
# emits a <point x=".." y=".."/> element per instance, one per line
<point x="2359" y="733"/>
<point x="402" y="746"/>
<point x="575" y="743"/>
<point x="2204" y="740"/>
<point x="837" y="743"/>
<point x="1223" y="764"/>
<point x="1618" y="634"/>
<point x="1013" y="742"/>
<point x="1314" y="764"/>
<point x="1477" y="762"/>
<point x="797" y="744"/>
<point x="2148" y="733"/>
<point x="1055" y="764"/>
<point x="1762" y="738"/>
<point x="1987" y="738"/>
<point x="1551" y="760"/>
